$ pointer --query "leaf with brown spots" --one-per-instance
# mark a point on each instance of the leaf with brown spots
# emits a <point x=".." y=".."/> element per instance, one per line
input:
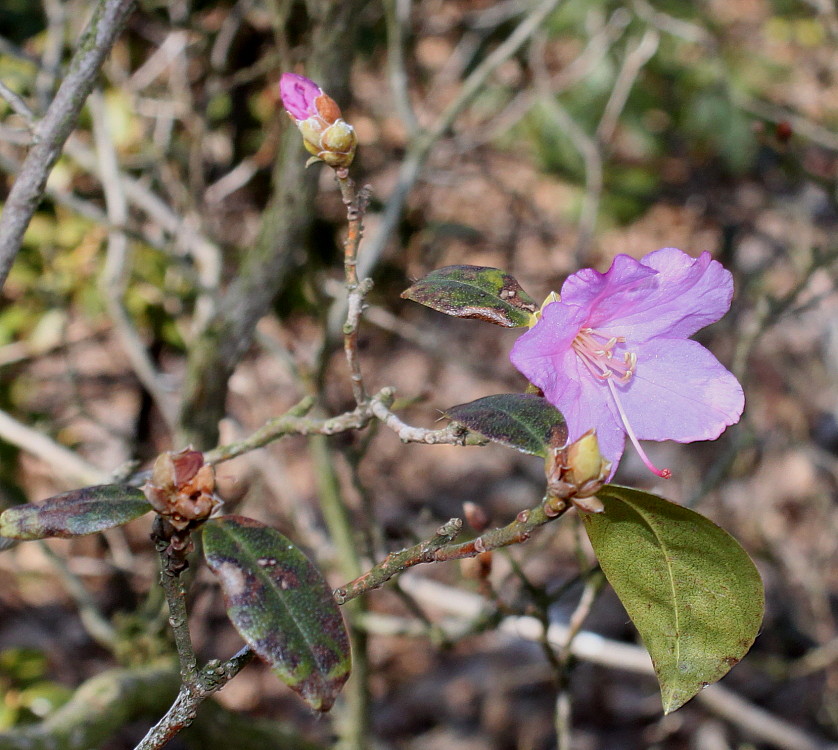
<point x="281" y="606"/>
<point x="475" y="292"/>
<point x="75" y="513"/>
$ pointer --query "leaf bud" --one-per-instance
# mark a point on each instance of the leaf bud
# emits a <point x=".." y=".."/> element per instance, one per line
<point x="182" y="488"/>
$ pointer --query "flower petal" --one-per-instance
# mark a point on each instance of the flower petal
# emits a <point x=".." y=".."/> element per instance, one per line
<point x="683" y="295"/>
<point x="545" y="357"/>
<point x="681" y="392"/>
<point x="298" y="94"/>
<point x="609" y="295"/>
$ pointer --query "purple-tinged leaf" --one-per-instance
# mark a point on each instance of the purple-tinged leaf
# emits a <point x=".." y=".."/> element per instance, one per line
<point x="475" y="292"/>
<point x="75" y="513"/>
<point x="691" y="591"/>
<point x="281" y="606"/>
<point x="527" y="423"/>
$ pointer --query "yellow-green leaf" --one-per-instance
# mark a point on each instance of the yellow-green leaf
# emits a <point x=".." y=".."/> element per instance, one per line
<point x="475" y="292"/>
<point x="691" y="591"/>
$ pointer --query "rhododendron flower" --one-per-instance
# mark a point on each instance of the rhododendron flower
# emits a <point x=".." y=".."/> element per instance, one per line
<point x="317" y="116"/>
<point x="612" y="352"/>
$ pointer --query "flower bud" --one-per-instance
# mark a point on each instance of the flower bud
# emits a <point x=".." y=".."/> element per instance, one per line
<point x="585" y="463"/>
<point x="577" y="472"/>
<point x="549" y="299"/>
<point x="317" y="116"/>
<point x="182" y="488"/>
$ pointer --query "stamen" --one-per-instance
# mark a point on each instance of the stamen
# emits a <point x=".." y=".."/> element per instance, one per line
<point x="598" y="357"/>
<point x="662" y="473"/>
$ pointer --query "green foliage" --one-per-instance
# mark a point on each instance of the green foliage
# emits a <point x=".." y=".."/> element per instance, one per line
<point x="27" y="693"/>
<point x="281" y="606"/>
<point x="525" y="422"/>
<point x="75" y="513"/>
<point x="477" y="292"/>
<point x="690" y="589"/>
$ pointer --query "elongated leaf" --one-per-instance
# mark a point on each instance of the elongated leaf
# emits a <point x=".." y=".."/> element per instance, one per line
<point x="281" y="606"/>
<point x="474" y="292"/>
<point x="75" y="513"/>
<point x="690" y="589"/>
<point x="528" y="423"/>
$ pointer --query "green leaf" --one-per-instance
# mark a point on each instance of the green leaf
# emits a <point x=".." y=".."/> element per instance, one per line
<point x="75" y="513"/>
<point x="281" y="606"/>
<point x="528" y="423"/>
<point x="690" y="589"/>
<point x="475" y="292"/>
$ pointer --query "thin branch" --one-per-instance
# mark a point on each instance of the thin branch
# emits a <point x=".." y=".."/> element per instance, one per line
<point x="52" y="132"/>
<point x="441" y="547"/>
<point x="63" y="462"/>
<point x="356" y="204"/>
<point x="591" y="647"/>
<point x="294" y="422"/>
<point x="97" y="626"/>
<point x="632" y="65"/>
<point x="99" y="708"/>
<point x="53" y="47"/>
<point x="453" y="434"/>
<point x="398" y="562"/>
<point x="592" y="159"/>
<point x="117" y="265"/>
<point x="19" y="107"/>
<point x="397" y="16"/>
<point x="421" y="145"/>
<point x="196" y="685"/>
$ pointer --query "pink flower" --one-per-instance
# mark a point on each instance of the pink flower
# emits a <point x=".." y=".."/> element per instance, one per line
<point x="612" y="353"/>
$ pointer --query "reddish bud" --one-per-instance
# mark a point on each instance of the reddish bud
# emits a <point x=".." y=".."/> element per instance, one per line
<point x="182" y="488"/>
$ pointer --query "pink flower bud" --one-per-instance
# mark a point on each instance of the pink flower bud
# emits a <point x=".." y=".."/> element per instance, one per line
<point x="317" y="116"/>
<point x="298" y="95"/>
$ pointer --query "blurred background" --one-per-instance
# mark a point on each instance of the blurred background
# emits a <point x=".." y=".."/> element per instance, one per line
<point x="182" y="283"/>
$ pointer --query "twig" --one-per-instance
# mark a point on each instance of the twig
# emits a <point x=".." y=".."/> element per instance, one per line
<point x="440" y="548"/>
<point x="294" y="422"/>
<point x="397" y="16"/>
<point x="51" y="132"/>
<point x="183" y="711"/>
<point x="356" y="205"/>
<point x="196" y="685"/>
<point x="631" y="67"/>
<point x="592" y="159"/>
<point x="398" y="562"/>
<point x="93" y="620"/>
<point x="99" y="708"/>
<point x="421" y="145"/>
<point x="593" y="648"/>
<point x="453" y="434"/>
<point x="63" y="462"/>
<point x="53" y="47"/>
<point x="116" y="267"/>
<point x="19" y="107"/>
